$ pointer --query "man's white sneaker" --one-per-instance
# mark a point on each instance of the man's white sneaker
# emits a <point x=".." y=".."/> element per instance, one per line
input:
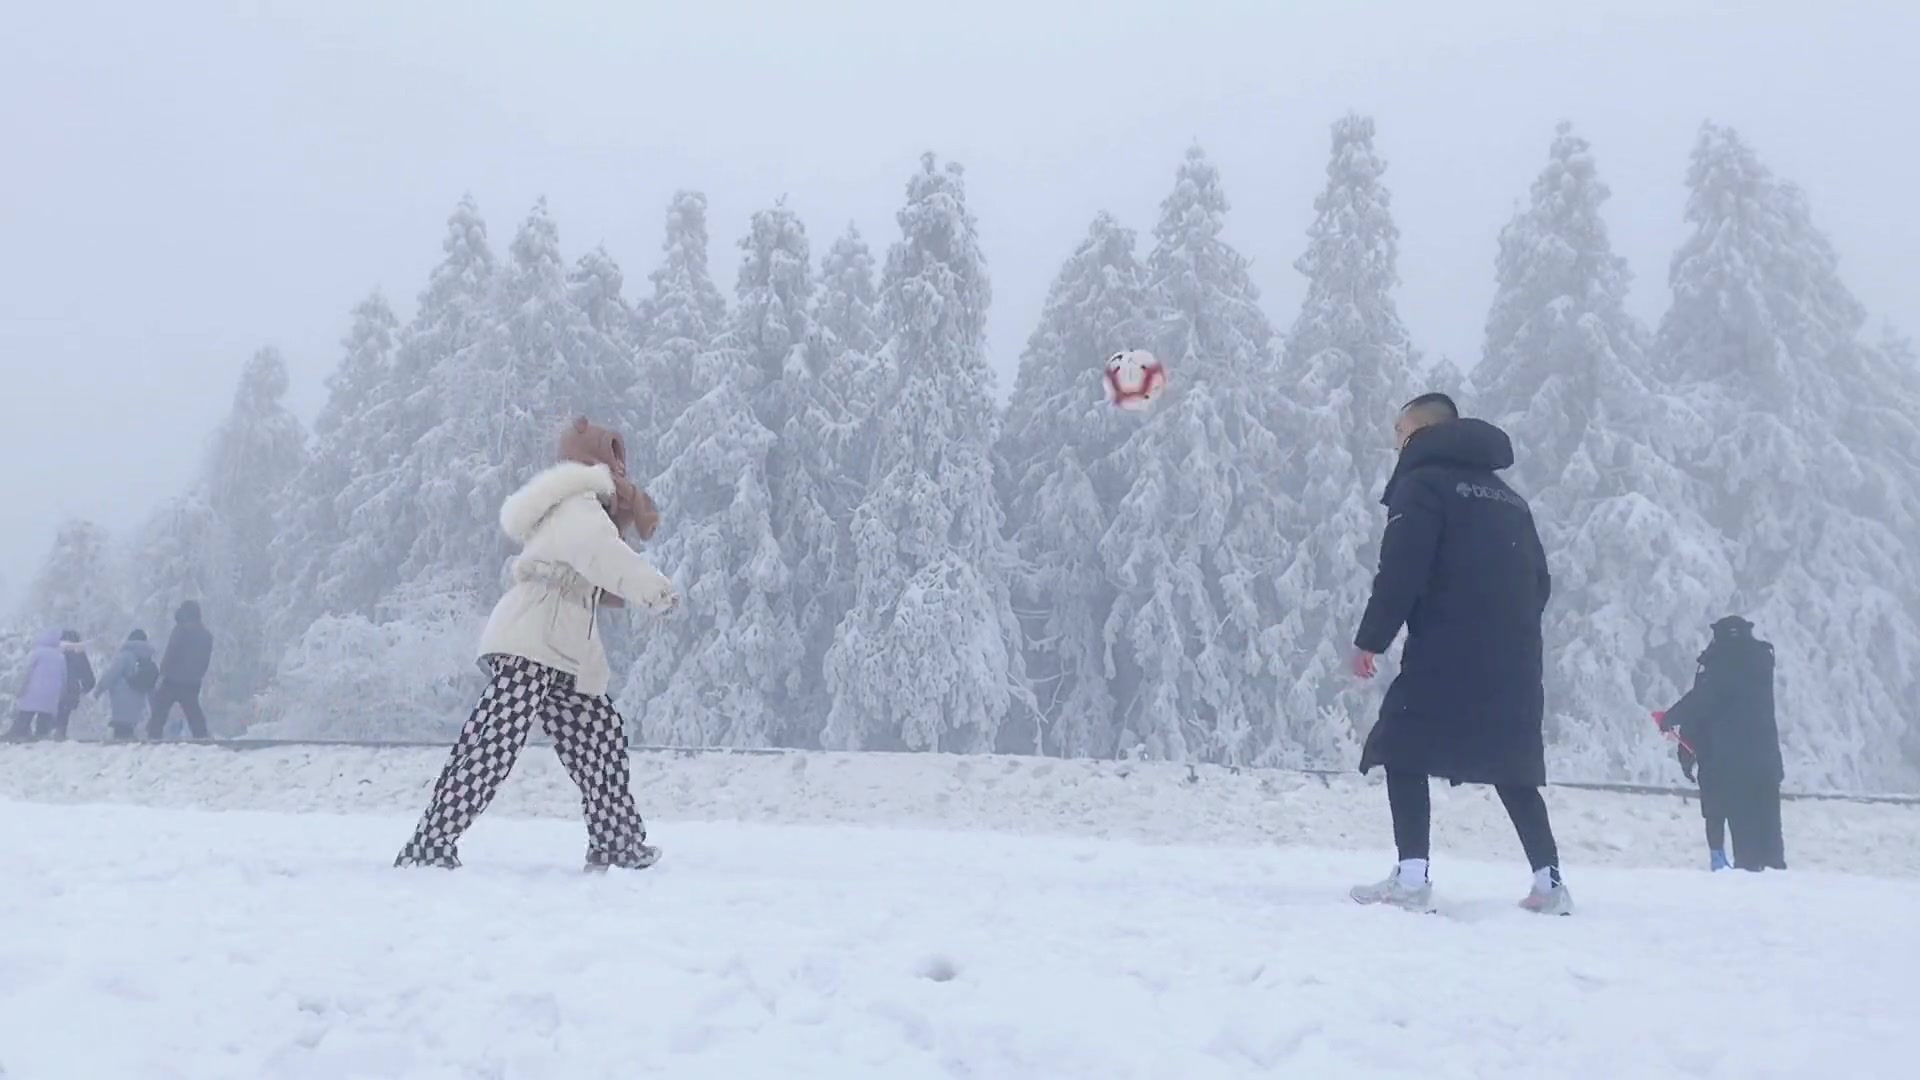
<point x="1551" y="900"/>
<point x="1395" y="892"/>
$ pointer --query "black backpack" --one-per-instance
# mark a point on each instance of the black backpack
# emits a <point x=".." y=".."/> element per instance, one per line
<point x="144" y="676"/>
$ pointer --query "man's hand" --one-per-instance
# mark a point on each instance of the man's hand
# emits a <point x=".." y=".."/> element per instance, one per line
<point x="1365" y="664"/>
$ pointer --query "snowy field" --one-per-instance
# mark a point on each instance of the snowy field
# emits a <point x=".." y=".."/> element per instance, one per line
<point x="1155" y="803"/>
<point x="172" y="939"/>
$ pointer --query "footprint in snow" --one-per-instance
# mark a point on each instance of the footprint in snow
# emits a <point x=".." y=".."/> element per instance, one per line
<point x="937" y="968"/>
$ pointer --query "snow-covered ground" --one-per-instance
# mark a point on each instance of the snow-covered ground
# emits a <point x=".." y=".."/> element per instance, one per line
<point x="195" y="912"/>
<point x="154" y="943"/>
<point x="1156" y="803"/>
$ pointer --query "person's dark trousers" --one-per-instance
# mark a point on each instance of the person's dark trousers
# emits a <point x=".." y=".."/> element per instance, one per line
<point x="1714" y="813"/>
<point x="27" y="724"/>
<point x="188" y="698"/>
<point x="1753" y="814"/>
<point x="55" y="726"/>
<point x="1411" y="802"/>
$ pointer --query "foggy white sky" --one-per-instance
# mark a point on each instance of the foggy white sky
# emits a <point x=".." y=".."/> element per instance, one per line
<point x="186" y="181"/>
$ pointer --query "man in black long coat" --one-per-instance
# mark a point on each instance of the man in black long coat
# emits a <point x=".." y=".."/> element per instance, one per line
<point x="1728" y="717"/>
<point x="1462" y="569"/>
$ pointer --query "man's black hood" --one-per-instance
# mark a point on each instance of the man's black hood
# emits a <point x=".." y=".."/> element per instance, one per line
<point x="189" y="612"/>
<point x="1472" y="444"/>
<point x="1733" y="626"/>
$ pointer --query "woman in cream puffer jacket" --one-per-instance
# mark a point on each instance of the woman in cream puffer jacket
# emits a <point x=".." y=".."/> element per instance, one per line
<point x="545" y="657"/>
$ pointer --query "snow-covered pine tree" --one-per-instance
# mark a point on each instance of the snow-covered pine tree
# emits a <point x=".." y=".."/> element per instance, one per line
<point x="535" y="366"/>
<point x="1565" y="373"/>
<point x="608" y="350"/>
<point x="847" y="318"/>
<point x="1763" y="338"/>
<point x="1349" y="368"/>
<point x="257" y="456"/>
<point x="1060" y="487"/>
<point x="78" y="588"/>
<point x="848" y="338"/>
<point x="606" y="345"/>
<point x="1445" y="377"/>
<point x="810" y="481"/>
<point x="929" y="658"/>
<point x="381" y="505"/>
<point x="722" y="671"/>
<point x="309" y="578"/>
<point x="683" y="320"/>
<point x="1194" y="645"/>
<point x="175" y="556"/>
<point x="595" y="284"/>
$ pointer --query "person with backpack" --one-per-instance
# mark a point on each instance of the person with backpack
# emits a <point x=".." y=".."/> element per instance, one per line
<point x="183" y="667"/>
<point x="129" y="683"/>
<point x="38" y="698"/>
<point x="79" y="683"/>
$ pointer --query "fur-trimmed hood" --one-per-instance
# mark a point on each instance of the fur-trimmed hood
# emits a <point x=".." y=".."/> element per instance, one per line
<point x="525" y="509"/>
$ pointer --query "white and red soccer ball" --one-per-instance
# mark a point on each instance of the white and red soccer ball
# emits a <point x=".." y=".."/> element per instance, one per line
<point x="1134" y="378"/>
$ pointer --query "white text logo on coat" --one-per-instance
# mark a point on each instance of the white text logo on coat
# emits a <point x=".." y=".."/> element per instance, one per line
<point x="1482" y="491"/>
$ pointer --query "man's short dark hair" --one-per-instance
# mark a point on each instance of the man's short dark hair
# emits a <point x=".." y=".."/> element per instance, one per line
<point x="1437" y="405"/>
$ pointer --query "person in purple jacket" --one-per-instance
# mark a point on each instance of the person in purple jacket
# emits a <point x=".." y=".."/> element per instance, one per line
<point x="39" y="698"/>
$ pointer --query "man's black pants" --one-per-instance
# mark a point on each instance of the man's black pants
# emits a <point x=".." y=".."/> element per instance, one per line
<point x="1412" y="805"/>
<point x="188" y="698"/>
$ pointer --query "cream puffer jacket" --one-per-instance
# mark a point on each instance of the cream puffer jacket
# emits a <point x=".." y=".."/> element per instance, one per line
<point x="570" y="553"/>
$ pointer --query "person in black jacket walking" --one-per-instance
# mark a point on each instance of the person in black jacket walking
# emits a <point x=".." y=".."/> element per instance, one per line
<point x="183" y="668"/>
<point x="1729" y="720"/>
<point x="1462" y="569"/>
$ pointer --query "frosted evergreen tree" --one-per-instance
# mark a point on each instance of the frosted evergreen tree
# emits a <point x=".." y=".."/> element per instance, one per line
<point x="608" y="347"/>
<point x="535" y="366"/>
<point x="1635" y="566"/>
<point x="78" y="588"/>
<point x="1763" y="338"/>
<point x="684" y="319"/>
<point x="382" y="504"/>
<point x="847" y="318"/>
<point x="1061" y="487"/>
<point x="1445" y="377"/>
<point x="595" y="285"/>
<point x="810" y="476"/>
<point x="753" y="478"/>
<point x="1885" y="414"/>
<point x="606" y="343"/>
<point x="257" y="455"/>
<point x="717" y="672"/>
<point x="1193" y="641"/>
<point x="309" y="578"/>
<point x="848" y="338"/>
<point x="176" y="556"/>
<point x="1349" y="368"/>
<point x="929" y="658"/>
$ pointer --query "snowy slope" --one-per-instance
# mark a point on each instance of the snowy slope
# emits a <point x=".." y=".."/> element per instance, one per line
<point x="159" y="944"/>
<point x="1156" y="803"/>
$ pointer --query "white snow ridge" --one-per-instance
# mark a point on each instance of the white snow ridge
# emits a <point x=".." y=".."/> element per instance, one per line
<point x="194" y="912"/>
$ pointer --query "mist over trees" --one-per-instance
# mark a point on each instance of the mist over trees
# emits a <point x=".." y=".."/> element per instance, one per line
<point x="872" y="554"/>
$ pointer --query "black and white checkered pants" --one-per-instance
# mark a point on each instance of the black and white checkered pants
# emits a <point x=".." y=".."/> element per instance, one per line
<point x="588" y="736"/>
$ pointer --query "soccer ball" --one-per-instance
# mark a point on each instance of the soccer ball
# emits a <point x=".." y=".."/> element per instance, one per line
<point x="1134" y="378"/>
